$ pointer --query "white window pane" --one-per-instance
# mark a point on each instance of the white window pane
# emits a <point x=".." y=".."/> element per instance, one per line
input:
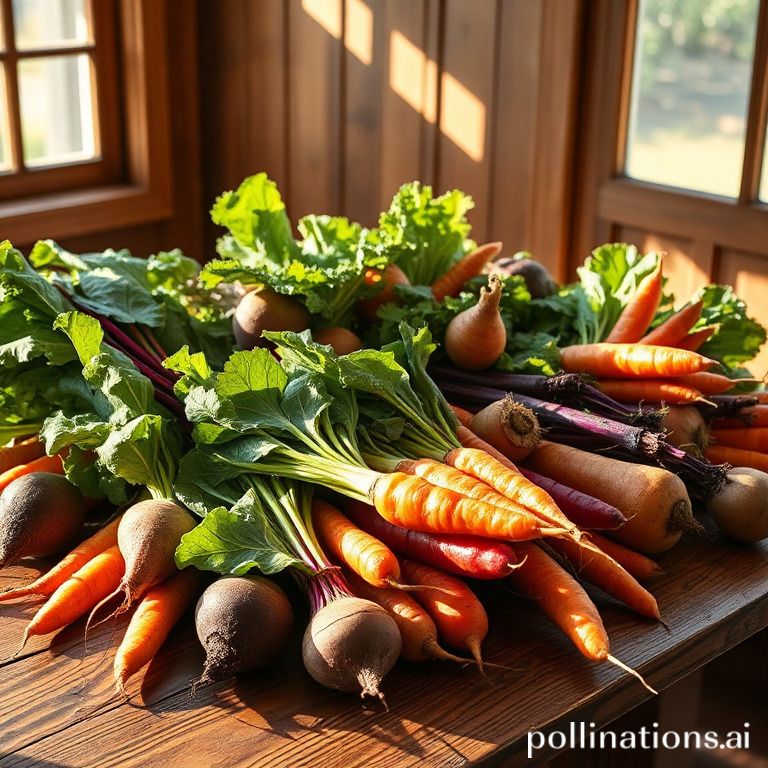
<point x="690" y="90"/>
<point x="49" y="23"/>
<point x="5" y="143"/>
<point x="56" y="109"/>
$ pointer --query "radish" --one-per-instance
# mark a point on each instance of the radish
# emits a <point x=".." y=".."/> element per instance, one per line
<point x="39" y="515"/>
<point x="266" y="310"/>
<point x="243" y="623"/>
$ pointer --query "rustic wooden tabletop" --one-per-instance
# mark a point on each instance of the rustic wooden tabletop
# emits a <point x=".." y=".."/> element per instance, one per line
<point x="58" y="706"/>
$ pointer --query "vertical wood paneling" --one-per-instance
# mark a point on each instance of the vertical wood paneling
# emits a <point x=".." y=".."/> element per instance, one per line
<point x="466" y="103"/>
<point x="366" y="62"/>
<point x="748" y="274"/>
<point x="408" y="98"/>
<point x="342" y="101"/>
<point x="315" y="29"/>
<point x="516" y="123"/>
<point x="555" y="133"/>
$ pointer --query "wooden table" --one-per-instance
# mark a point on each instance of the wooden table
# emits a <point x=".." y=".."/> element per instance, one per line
<point x="58" y="706"/>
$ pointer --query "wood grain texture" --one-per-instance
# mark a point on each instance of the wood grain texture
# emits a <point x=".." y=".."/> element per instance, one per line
<point x="281" y="717"/>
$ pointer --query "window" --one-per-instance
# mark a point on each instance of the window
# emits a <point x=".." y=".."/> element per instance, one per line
<point x="59" y="95"/>
<point x="690" y="93"/>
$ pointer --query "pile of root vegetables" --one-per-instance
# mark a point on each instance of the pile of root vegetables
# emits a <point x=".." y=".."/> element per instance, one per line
<point x="388" y="416"/>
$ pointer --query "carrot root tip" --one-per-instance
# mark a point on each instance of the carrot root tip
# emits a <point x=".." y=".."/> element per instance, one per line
<point x="621" y="665"/>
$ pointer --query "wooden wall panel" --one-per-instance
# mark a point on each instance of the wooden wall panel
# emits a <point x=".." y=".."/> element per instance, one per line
<point x="467" y="81"/>
<point x="748" y="274"/>
<point x="345" y="100"/>
<point x="315" y="31"/>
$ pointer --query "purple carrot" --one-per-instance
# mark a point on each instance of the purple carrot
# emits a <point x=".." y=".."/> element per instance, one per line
<point x="580" y="508"/>
<point x="469" y="556"/>
<point x="484" y="387"/>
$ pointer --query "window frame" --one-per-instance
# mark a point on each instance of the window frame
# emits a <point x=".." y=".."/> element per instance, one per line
<point x="606" y="198"/>
<point x="21" y="181"/>
<point x="136" y="187"/>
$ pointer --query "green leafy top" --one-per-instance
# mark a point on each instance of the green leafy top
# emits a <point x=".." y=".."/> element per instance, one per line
<point x="425" y="235"/>
<point x="325" y="269"/>
<point x="132" y="436"/>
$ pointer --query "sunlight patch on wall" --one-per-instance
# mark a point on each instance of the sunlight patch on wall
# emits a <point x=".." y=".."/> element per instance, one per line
<point x="463" y="117"/>
<point x="358" y="35"/>
<point x="412" y="75"/>
<point x="327" y="15"/>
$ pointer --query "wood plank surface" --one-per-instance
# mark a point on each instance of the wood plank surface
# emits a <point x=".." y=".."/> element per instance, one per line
<point x="59" y="708"/>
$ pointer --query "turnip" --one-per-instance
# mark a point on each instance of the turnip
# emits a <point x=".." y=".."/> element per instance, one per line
<point x="40" y="514"/>
<point x="243" y="622"/>
<point x="686" y="429"/>
<point x="340" y="339"/>
<point x="350" y="645"/>
<point x="740" y="508"/>
<point x="537" y="279"/>
<point x="266" y="310"/>
<point x="147" y="537"/>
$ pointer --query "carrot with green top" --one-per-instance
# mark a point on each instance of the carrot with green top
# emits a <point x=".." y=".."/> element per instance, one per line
<point x="644" y="361"/>
<point x="83" y="553"/>
<point x="411" y="502"/>
<point x="51" y="464"/>
<point x="638" y="313"/>
<point x="471" y="265"/>
<point x="21" y="453"/>
<point x="676" y="327"/>
<point x="157" y="614"/>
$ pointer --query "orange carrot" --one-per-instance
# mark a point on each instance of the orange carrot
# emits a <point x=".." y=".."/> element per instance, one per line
<point x="463" y="415"/>
<point x="417" y="629"/>
<point x="710" y="383"/>
<point x="51" y="464"/>
<point x="675" y="328"/>
<point x="391" y="277"/>
<point x="503" y="476"/>
<point x="650" y="390"/>
<point x="471" y="265"/>
<point x="21" y="453"/>
<point x="638" y="313"/>
<point x="697" y="339"/>
<point x="158" y="612"/>
<point x="640" y="566"/>
<point x="751" y="416"/>
<point x="509" y="427"/>
<point x="76" y="559"/>
<point x="748" y="438"/>
<point x="446" y="476"/>
<point x="460" y="617"/>
<point x="562" y="599"/>
<point x="739" y="457"/>
<point x="412" y="502"/>
<point x="79" y="593"/>
<point x="627" y="360"/>
<point x="362" y="553"/>
<point x="600" y="569"/>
